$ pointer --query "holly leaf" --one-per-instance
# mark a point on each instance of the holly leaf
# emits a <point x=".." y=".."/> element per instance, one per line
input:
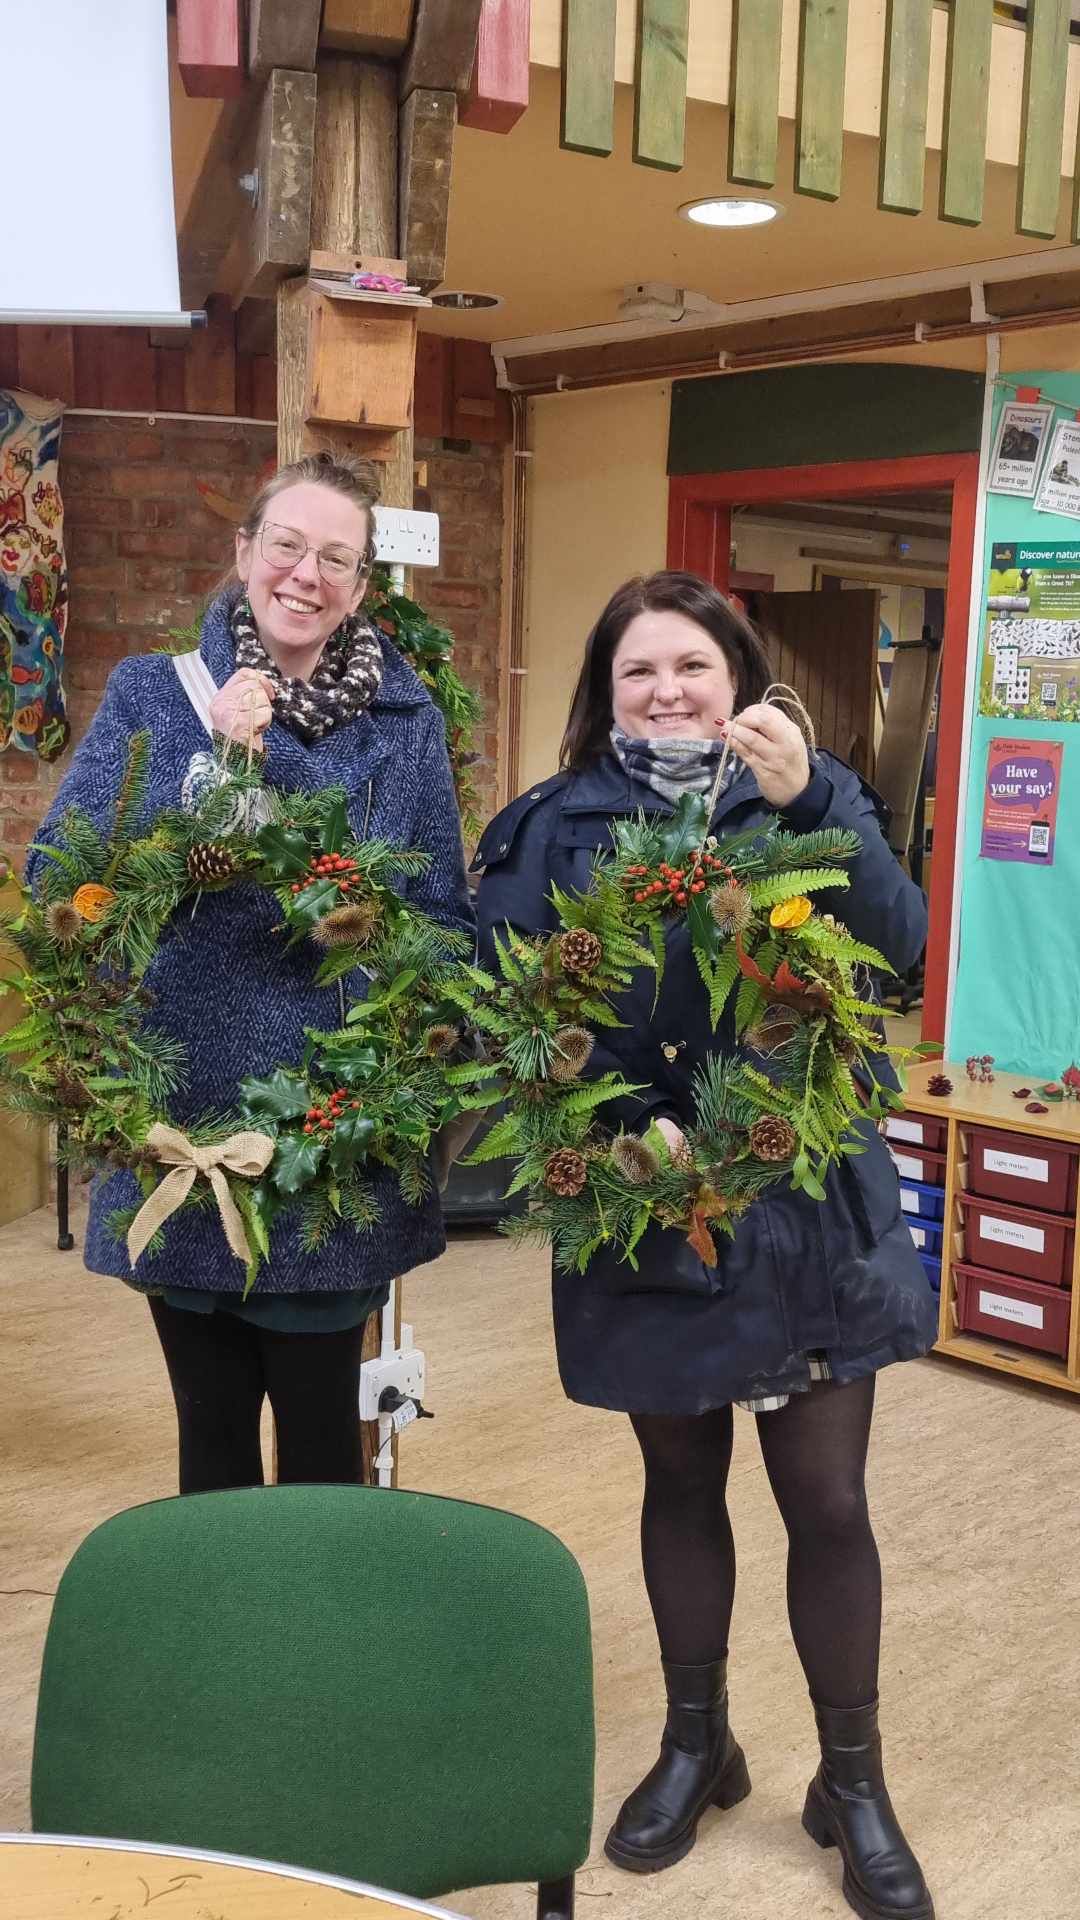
<point x="686" y="829"/>
<point x="296" y="1161"/>
<point x="282" y="1096"/>
<point x="285" y="849"/>
<point x="705" y="935"/>
<point x="349" y="1066"/>
<point x="307" y="908"/>
<point x="334" y="828"/>
<point x="350" y="1138"/>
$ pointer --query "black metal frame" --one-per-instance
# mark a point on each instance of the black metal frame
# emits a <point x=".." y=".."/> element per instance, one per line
<point x="65" y="1239"/>
<point x="555" y="1899"/>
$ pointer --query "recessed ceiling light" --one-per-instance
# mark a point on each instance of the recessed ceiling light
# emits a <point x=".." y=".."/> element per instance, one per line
<point x="729" y="211"/>
<point x="466" y="302"/>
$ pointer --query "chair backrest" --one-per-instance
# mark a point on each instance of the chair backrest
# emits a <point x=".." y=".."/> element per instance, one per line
<point x="388" y="1686"/>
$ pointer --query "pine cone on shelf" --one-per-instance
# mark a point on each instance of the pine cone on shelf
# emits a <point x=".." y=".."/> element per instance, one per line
<point x="580" y="951"/>
<point x="210" y="864"/>
<point x="939" y="1085"/>
<point x="773" y="1138"/>
<point x="566" y="1173"/>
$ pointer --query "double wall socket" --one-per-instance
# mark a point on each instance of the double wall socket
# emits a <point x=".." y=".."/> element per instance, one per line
<point x="406" y="539"/>
<point x="404" y="1370"/>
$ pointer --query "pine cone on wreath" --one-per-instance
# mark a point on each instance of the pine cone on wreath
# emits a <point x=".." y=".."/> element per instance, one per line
<point x="566" y="1173"/>
<point x="773" y="1138"/>
<point x="580" y="951"/>
<point x="70" y="1091"/>
<point x="210" y="865"/>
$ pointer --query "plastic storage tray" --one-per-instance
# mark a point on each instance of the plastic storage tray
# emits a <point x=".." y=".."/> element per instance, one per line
<point x="932" y="1268"/>
<point x="918" y="1130"/>
<point x="1007" y="1308"/>
<point x="927" y="1203"/>
<point x="918" y="1163"/>
<point x="927" y="1234"/>
<point x="1018" y="1241"/>
<point x="1024" y="1171"/>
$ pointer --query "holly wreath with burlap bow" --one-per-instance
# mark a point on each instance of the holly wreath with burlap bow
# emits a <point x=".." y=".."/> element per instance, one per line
<point x="374" y="1091"/>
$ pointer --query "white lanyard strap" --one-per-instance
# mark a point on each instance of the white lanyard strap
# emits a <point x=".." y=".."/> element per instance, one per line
<point x="198" y="683"/>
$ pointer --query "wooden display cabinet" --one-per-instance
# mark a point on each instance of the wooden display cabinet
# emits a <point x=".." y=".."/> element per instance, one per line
<point x="971" y="1103"/>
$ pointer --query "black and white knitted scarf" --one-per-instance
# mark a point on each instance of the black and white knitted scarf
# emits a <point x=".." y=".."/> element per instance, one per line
<point x="673" y="767"/>
<point x="344" y="683"/>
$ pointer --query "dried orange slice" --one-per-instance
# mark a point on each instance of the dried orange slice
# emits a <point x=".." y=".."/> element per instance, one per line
<point x="92" y="901"/>
<point x="791" y="913"/>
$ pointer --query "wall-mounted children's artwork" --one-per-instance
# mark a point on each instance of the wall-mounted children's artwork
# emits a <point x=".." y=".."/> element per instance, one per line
<point x="1031" y="658"/>
<point x="1021" y="435"/>
<point x="1059" y="491"/>
<point x="1020" y="802"/>
<point x="33" y="578"/>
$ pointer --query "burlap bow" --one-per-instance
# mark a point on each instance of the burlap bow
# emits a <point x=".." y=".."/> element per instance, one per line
<point x="248" y="1154"/>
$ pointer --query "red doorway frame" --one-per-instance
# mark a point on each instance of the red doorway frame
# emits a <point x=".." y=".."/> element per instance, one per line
<point x="699" y="538"/>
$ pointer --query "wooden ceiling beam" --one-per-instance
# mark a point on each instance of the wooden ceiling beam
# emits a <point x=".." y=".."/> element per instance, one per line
<point x="209" y="48"/>
<point x="282" y="33"/>
<point x="243" y="241"/>
<point x="425" y="162"/>
<point x="443" y="46"/>
<point x="499" y="88"/>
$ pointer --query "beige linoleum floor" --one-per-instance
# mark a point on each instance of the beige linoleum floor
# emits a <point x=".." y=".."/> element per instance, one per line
<point x="975" y="1488"/>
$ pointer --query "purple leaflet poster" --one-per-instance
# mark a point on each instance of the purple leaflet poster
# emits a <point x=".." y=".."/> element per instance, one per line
<point x="1023" y="780"/>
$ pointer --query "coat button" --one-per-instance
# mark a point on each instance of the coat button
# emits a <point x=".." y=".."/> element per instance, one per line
<point x="505" y="848"/>
<point x="536" y="795"/>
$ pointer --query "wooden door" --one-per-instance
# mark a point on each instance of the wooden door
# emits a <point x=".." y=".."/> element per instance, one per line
<point x="825" y="646"/>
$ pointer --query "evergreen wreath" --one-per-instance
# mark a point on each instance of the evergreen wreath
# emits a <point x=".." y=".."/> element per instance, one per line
<point x="402" y="1064"/>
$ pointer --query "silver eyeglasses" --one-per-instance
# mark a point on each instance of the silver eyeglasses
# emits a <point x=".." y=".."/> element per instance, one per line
<point x="285" y="547"/>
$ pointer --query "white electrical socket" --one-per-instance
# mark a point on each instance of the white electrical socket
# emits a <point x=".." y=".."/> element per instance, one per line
<point x="404" y="1370"/>
<point x="406" y="539"/>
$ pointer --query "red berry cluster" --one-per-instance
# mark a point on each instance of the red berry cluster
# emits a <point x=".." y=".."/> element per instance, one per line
<point x="677" y="882"/>
<point x="324" y="1119"/>
<point x="328" y="866"/>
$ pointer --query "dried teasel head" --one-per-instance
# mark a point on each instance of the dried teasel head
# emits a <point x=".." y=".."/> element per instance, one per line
<point x="635" y="1161"/>
<point x="440" y="1041"/>
<point x="64" y="921"/>
<point x="573" y="1050"/>
<point x="351" y="926"/>
<point x="731" y="907"/>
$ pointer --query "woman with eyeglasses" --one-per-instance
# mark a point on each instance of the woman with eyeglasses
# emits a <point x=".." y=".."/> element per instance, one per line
<point x="290" y="663"/>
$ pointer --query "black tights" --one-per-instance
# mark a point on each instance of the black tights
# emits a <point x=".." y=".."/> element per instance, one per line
<point x="221" y="1368"/>
<point x="815" y="1456"/>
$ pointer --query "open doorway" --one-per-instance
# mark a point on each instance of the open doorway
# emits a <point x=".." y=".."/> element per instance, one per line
<point x="859" y="579"/>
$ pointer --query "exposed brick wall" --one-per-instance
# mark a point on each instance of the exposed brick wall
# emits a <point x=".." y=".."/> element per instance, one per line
<point x="143" y="549"/>
<point x="465" y="592"/>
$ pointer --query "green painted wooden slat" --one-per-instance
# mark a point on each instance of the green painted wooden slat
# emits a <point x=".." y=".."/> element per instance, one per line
<point x="588" y="75"/>
<point x="904" y="94"/>
<point x="754" y="118"/>
<point x="1046" y="66"/>
<point x="967" y="102"/>
<point x="660" y="109"/>
<point x="819" y="114"/>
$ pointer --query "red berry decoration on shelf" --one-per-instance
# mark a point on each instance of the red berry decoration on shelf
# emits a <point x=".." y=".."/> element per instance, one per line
<point x="1036" y="1106"/>
<point x="1021" y="1093"/>
<point x="1070" y="1083"/>
<point x="939" y="1085"/>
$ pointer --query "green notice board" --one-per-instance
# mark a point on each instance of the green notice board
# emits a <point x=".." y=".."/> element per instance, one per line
<point x="1018" y="983"/>
<point x="810" y="416"/>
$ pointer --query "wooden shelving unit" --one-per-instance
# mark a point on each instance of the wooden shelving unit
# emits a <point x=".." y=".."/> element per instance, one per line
<point x="995" y="1106"/>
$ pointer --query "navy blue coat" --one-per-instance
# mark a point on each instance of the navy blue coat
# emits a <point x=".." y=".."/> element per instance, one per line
<point x="225" y="982"/>
<point x="841" y="1276"/>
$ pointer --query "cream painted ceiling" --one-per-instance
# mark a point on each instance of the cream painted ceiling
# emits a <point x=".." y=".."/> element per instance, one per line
<point x="558" y="235"/>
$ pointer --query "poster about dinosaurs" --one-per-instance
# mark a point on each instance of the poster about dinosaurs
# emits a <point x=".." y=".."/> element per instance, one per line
<point x="1060" y="488"/>
<point x="1031" y="655"/>
<point x="1021" y="435"/>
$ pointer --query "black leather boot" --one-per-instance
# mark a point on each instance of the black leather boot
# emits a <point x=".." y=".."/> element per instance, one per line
<point x="848" y="1806"/>
<point x="699" y="1765"/>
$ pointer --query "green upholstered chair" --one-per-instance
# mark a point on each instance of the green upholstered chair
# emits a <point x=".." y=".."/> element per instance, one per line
<point x="386" y="1686"/>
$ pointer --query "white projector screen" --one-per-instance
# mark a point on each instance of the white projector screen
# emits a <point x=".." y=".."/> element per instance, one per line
<point x="89" y="228"/>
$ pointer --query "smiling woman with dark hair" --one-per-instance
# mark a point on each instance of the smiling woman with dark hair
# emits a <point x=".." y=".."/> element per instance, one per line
<point x="808" y="1300"/>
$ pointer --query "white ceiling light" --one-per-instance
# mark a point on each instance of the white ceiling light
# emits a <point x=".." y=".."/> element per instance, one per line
<point x="461" y="301"/>
<point x="730" y="211"/>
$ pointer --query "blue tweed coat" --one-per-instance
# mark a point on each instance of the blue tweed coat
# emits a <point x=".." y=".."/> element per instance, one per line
<point x="223" y="981"/>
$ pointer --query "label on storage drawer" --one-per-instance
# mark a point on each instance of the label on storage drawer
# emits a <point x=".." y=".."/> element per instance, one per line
<point x="918" y="1234"/>
<point x="998" y="1306"/>
<point x="1011" y="1234"/>
<point x="1017" y="1164"/>
<point x="909" y="1201"/>
<point x="907" y="1130"/>
<point x="908" y="1168"/>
